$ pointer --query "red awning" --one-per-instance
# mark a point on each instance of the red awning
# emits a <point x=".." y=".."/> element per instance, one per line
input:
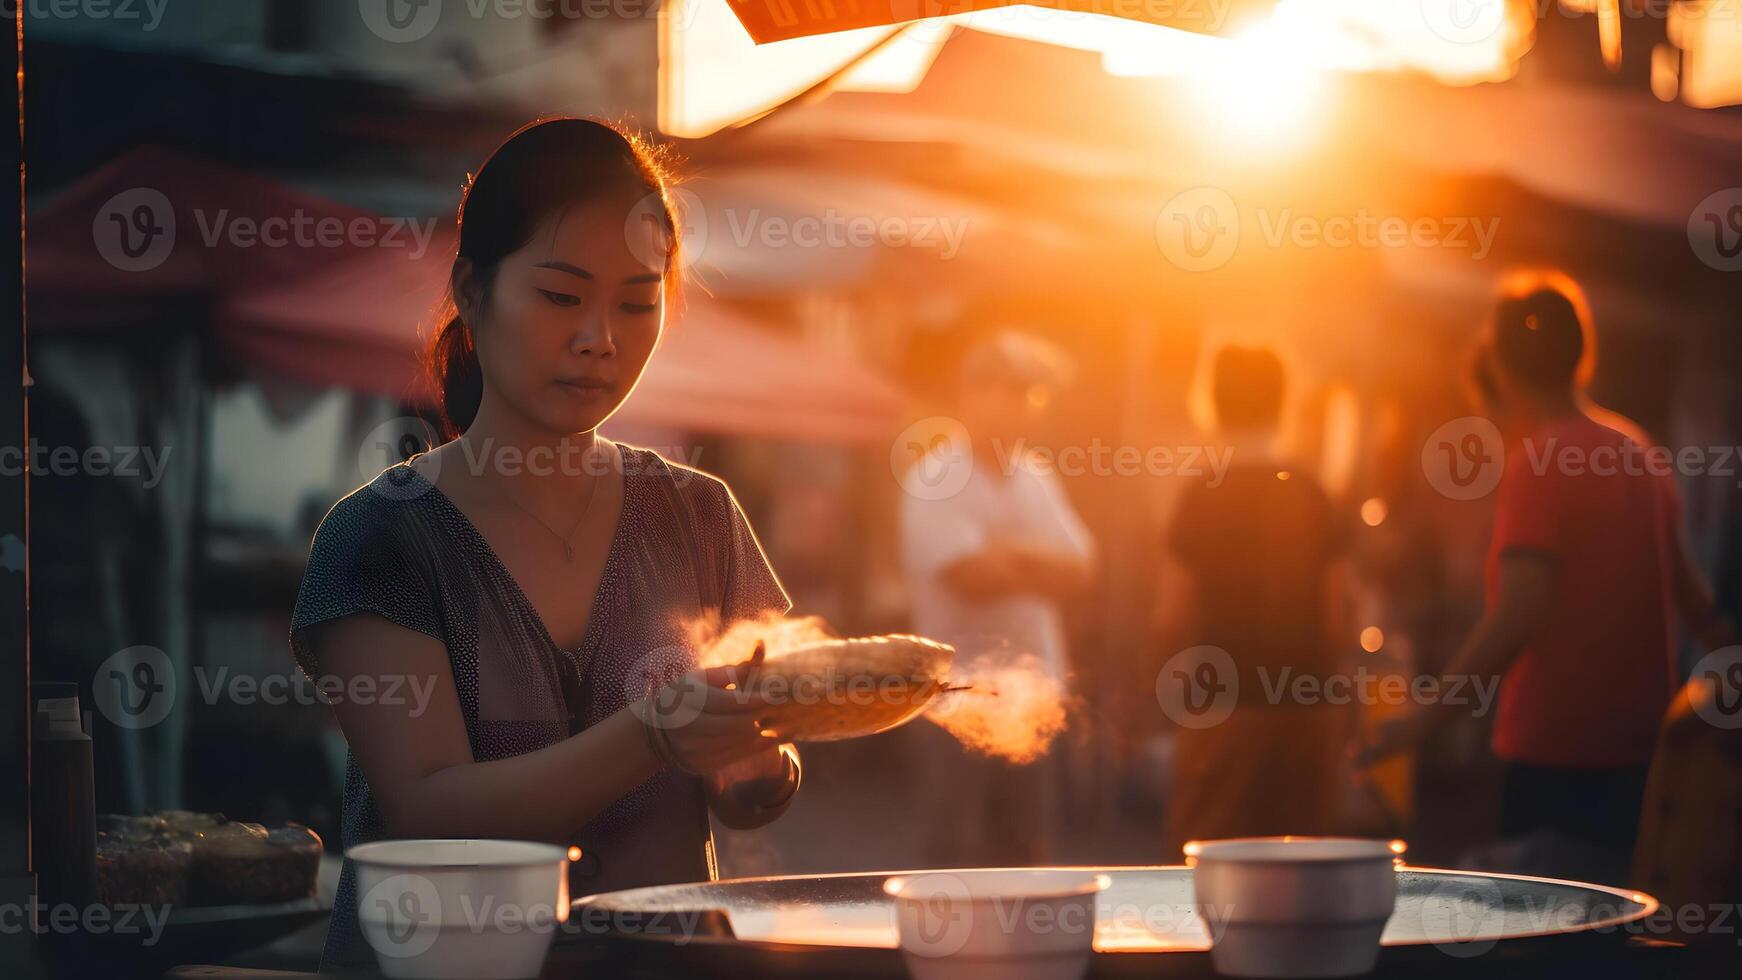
<point x="717" y="372"/>
<point x="357" y="324"/>
<point x="156" y="225"/>
<point x="361" y="325"/>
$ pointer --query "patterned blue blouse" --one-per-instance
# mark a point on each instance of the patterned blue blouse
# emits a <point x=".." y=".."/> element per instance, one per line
<point x="400" y="549"/>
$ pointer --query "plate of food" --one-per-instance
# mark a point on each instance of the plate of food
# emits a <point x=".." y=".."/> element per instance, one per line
<point x="176" y="884"/>
<point x="830" y="690"/>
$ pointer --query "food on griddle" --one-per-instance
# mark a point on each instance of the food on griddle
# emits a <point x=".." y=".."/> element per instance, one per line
<point x="839" y="689"/>
<point x="182" y="858"/>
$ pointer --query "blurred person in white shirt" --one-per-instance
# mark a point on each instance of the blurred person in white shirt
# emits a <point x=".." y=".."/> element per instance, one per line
<point x="990" y="546"/>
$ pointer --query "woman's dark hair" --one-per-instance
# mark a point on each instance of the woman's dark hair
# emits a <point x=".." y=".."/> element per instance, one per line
<point x="1246" y="384"/>
<point x="545" y="167"/>
<point x="1541" y="332"/>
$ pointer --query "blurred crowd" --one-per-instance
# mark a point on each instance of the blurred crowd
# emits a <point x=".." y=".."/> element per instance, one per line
<point x="1283" y="716"/>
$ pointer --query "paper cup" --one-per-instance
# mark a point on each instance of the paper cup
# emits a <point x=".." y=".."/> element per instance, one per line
<point x="460" y="909"/>
<point x="1294" y="906"/>
<point x="996" y="924"/>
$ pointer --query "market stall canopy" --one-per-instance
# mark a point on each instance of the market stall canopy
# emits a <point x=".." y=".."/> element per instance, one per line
<point x="1614" y="151"/>
<point x="780" y="20"/>
<point x="156" y="224"/>
<point x="714" y="73"/>
<point x="1063" y="142"/>
<point x="287" y="300"/>
<point x="718" y="372"/>
<point x="361" y="325"/>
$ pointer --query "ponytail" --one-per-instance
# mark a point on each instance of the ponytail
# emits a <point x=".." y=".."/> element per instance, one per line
<point x="453" y="366"/>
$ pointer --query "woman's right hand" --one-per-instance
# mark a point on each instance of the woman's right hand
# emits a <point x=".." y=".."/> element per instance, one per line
<point x="708" y="718"/>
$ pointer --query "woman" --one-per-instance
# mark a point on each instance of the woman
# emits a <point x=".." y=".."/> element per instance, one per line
<point x="519" y="585"/>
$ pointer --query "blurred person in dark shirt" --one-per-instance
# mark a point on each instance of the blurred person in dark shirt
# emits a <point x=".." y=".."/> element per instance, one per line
<point x="1255" y="550"/>
<point x="993" y="549"/>
<point x="1587" y="568"/>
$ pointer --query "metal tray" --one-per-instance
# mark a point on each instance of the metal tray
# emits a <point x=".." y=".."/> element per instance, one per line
<point x="1146" y="923"/>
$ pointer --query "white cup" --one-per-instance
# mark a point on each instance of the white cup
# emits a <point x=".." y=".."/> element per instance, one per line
<point x="996" y="924"/>
<point x="460" y="909"/>
<point x="1294" y="906"/>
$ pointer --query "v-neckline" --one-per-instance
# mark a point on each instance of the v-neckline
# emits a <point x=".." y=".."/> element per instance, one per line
<point x="612" y="551"/>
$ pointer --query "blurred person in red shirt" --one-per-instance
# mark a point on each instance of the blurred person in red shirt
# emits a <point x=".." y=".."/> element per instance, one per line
<point x="1586" y="570"/>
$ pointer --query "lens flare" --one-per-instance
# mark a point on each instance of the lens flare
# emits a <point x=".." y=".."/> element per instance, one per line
<point x="1373" y="512"/>
<point x="1261" y="92"/>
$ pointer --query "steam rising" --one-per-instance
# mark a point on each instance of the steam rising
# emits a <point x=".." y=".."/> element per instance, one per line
<point x="1013" y="707"/>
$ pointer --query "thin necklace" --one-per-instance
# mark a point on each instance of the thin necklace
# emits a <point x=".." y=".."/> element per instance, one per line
<point x="568" y="540"/>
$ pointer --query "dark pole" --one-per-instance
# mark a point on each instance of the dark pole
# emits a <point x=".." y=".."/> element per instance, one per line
<point x="17" y="883"/>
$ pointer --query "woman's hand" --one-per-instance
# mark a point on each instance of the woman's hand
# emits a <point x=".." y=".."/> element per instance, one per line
<point x="707" y="720"/>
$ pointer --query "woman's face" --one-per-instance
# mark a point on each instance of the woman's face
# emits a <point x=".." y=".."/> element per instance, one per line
<point x="570" y="320"/>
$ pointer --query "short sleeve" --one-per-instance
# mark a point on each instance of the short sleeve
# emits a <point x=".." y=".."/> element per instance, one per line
<point x="365" y="558"/>
<point x="1527" y="513"/>
<point x="751" y="585"/>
